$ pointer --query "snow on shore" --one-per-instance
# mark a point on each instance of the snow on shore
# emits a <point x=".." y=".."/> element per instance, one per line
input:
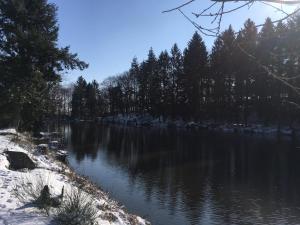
<point x="14" y="212"/>
<point x="147" y="120"/>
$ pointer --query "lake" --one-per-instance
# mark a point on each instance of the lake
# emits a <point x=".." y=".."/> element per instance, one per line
<point x="181" y="177"/>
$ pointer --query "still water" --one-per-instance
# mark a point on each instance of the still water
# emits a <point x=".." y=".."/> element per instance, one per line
<point x="176" y="177"/>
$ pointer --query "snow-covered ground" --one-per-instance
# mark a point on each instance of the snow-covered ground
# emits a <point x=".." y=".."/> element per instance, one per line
<point x="56" y="175"/>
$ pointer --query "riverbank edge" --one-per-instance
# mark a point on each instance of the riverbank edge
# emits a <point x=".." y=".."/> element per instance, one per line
<point x="81" y="182"/>
<point x="146" y="120"/>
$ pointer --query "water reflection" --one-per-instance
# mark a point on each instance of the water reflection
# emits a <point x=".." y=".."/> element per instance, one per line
<point x="180" y="177"/>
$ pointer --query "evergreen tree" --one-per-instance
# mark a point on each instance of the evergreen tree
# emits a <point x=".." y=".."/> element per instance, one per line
<point x="267" y="93"/>
<point x="30" y="60"/>
<point x="79" y="99"/>
<point x="246" y="68"/>
<point x="134" y="73"/>
<point x="92" y="95"/>
<point x="238" y="85"/>
<point x="143" y="85"/>
<point x="164" y="69"/>
<point x="153" y="88"/>
<point x="195" y="75"/>
<point x="278" y="91"/>
<point x="176" y="89"/>
<point x="291" y="62"/>
<point x="223" y="71"/>
<point x="114" y="96"/>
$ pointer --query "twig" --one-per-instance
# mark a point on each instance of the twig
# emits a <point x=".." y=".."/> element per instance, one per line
<point x="221" y="12"/>
<point x="201" y="29"/>
<point x="295" y="89"/>
<point x="286" y="2"/>
<point x="179" y="7"/>
<point x="205" y="10"/>
<point x="277" y="8"/>
<point x="224" y="12"/>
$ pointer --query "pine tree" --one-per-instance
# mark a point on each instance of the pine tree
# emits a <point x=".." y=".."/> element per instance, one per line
<point x="176" y="92"/>
<point x="246" y="68"/>
<point x="267" y="95"/>
<point x="92" y="95"/>
<point x="231" y="86"/>
<point x="164" y="69"/>
<point x="29" y="55"/>
<point x="223" y="71"/>
<point x="290" y="97"/>
<point x="79" y="101"/>
<point x="143" y="84"/>
<point x="114" y="96"/>
<point x="153" y="88"/>
<point x="134" y="73"/>
<point x="195" y="75"/>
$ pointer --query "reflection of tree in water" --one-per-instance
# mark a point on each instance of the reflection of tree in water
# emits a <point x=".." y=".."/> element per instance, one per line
<point x="85" y="140"/>
<point x="238" y="179"/>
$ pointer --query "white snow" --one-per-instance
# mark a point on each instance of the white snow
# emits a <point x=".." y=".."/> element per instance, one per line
<point x="14" y="212"/>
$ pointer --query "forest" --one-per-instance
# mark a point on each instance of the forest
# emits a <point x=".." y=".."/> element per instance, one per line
<point x="204" y="132"/>
<point x="248" y="76"/>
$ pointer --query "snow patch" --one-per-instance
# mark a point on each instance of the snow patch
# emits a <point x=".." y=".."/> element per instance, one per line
<point x="14" y="212"/>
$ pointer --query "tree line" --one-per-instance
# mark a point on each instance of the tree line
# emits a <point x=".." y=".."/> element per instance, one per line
<point x="250" y="75"/>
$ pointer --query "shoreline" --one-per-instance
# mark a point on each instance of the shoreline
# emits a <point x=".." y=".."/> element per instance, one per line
<point x="58" y="175"/>
<point x="254" y="128"/>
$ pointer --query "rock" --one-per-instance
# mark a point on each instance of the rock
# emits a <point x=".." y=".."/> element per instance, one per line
<point x="42" y="149"/>
<point x="53" y="145"/>
<point x="61" y="155"/>
<point x="19" y="160"/>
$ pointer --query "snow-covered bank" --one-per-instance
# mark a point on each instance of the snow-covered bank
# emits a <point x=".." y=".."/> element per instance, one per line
<point x="149" y="121"/>
<point x="56" y="175"/>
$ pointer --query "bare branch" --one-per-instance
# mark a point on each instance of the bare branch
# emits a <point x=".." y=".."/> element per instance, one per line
<point x="224" y="12"/>
<point x="205" y="10"/>
<point x="218" y="15"/>
<point x="269" y="72"/>
<point x="274" y="7"/>
<point x="285" y="2"/>
<point x="284" y="18"/>
<point x="200" y="28"/>
<point x="179" y="7"/>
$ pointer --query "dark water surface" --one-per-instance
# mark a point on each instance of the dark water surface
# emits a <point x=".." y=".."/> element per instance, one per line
<point x="179" y="178"/>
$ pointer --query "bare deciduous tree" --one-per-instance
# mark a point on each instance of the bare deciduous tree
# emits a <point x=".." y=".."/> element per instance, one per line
<point x="217" y="9"/>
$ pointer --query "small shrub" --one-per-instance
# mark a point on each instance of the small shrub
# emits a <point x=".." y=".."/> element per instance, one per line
<point x="77" y="209"/>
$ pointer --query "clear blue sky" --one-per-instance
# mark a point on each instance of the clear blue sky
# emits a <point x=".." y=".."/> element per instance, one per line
<point x="107" y="34"/>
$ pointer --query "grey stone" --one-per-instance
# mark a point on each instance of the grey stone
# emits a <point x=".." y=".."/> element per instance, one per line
<point x="19" y="160"/>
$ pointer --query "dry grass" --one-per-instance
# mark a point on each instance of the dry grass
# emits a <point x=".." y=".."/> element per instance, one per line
<point x="29" y="189"/>
<point x="109" y="217"/>
<point x="23" y="140"/>
<point x="77" y="209"/>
